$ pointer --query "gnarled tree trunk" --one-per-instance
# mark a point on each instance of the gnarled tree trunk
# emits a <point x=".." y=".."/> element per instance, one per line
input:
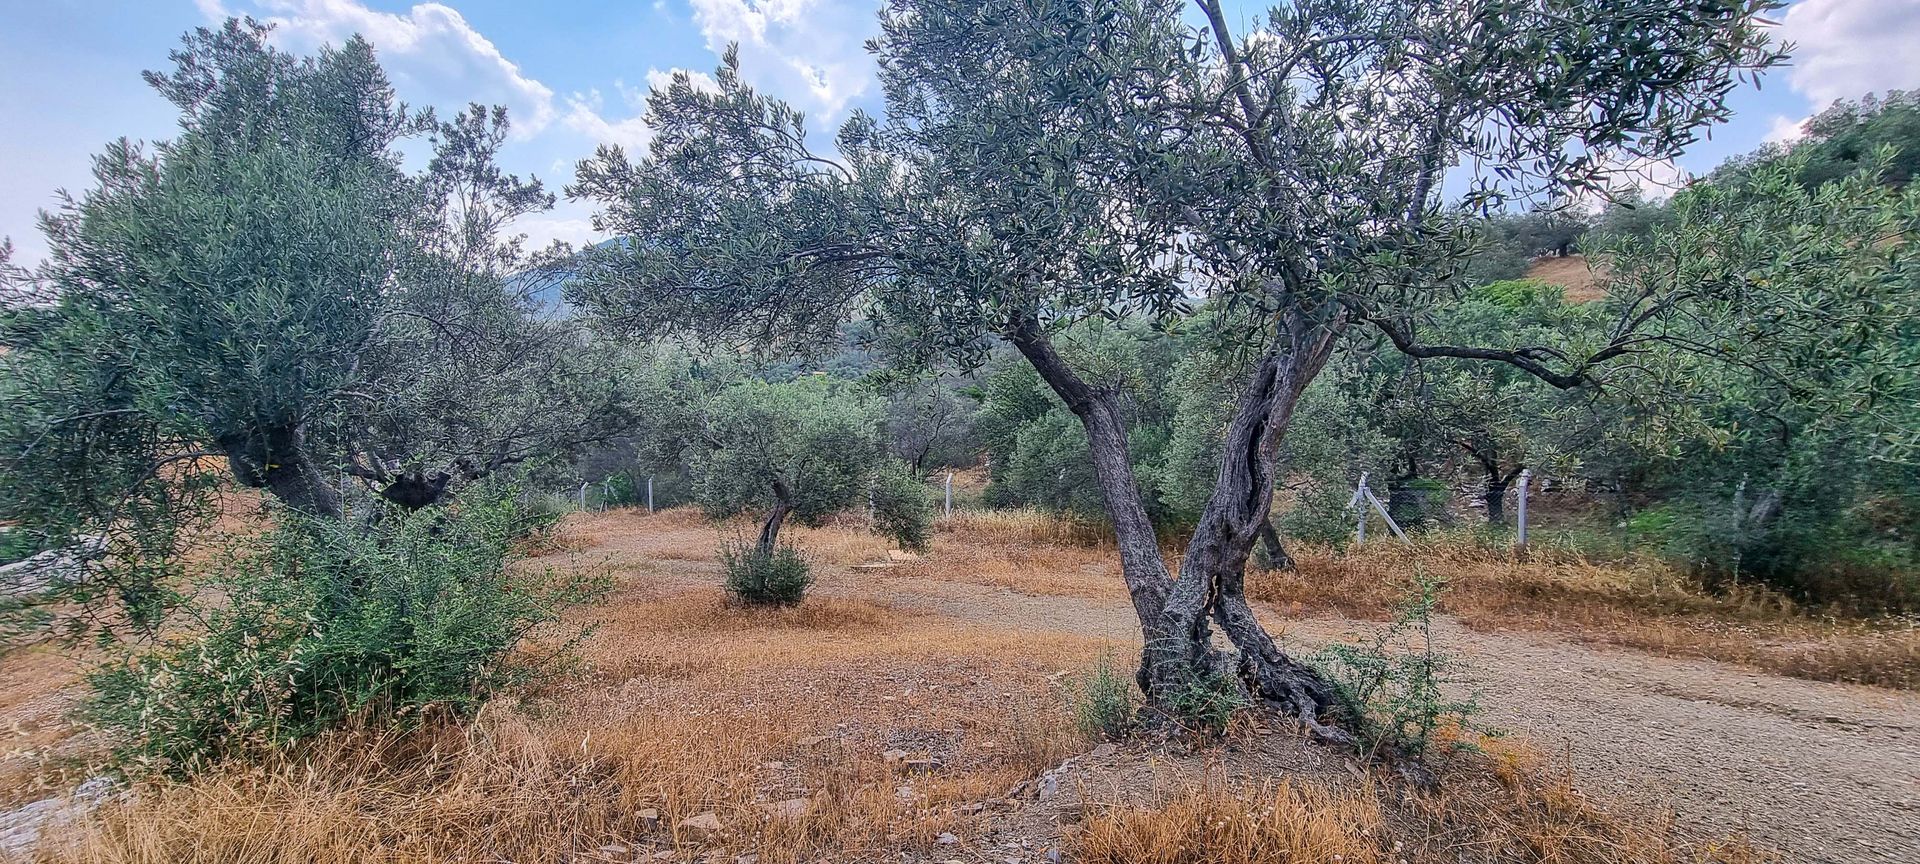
<point x="278" y="462"/>
<point x="770" y="527"/>
<point x="1176" y="615"/>
<point x="1277" y="557"/>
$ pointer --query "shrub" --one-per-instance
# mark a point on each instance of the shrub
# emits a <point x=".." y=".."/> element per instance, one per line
<point x="756" y="577"/>
<point x="1102" y="700"/>
<point x="326" y="622"/>
<point x="1208" y="702"/>
<point x="1392" y="686"/>
<point x="902" y="508"/>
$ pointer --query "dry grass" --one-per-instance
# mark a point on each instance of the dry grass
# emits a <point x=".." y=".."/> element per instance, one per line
<point x="1582" y="283"/>
<point x="1279" y="823"/>
<point x="686" y="704"/>
<point x="1504" y="804"/>
<point x="1643" y="607"/>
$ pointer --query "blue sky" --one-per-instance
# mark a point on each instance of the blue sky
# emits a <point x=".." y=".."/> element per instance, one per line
<point x="572" y="73"/>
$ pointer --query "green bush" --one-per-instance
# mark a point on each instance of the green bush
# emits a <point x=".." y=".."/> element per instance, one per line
<point x="1207" y="704"/>
<point x="776" y="578"/>
<point x="325" y="623"/>
<point x="1392" y="685"/>
<point x="1102" y="700"/>
<point x="15" y="545"/>
<point x="902" y="509"/>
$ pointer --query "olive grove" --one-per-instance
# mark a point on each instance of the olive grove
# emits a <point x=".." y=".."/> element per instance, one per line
<point x="1043" y="164"/>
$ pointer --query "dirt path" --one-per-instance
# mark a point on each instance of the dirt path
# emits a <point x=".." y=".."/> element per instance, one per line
<point x="1825" y="772"/>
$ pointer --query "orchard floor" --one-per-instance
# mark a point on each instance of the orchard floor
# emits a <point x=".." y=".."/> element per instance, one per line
<point x="915" y="711"/>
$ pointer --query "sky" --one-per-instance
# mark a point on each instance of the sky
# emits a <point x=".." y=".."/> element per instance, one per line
<point x="574" y="74"/>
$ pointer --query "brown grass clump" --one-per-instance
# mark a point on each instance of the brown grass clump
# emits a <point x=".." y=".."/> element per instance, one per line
<point x="1511" y="803"/>
<point x="1209" y="825"/>
<point x="1644" y="607"/>
<point x="1027" y="526"/>
<point x="504" y="791"/>
<point x="1503" y="804"/>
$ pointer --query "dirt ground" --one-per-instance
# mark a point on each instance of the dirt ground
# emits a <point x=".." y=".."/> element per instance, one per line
<point x="1823" y="772"/>
<point x="689" y="707"/>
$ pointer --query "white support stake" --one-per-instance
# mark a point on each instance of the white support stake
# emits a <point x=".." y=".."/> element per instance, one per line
<point x="1520" y="532"/>
<point x="1360" y="495"/>
<point x="649" y="493"/>
<point x="949" y="494"/>
<point x="583" y="496"/>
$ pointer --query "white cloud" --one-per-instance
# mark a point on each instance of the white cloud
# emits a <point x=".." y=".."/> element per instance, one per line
<point x="434" y="56"/>
<point x="1654" y="179"/>
<point x="659" y="80"/>
<point x="1785" y="130"/>
<point x="584" y="115"/>
<point x="430" y="51"/>
<point x="571" y="221"/>
<point x="809" y="52"/>
<point x="1845" y="49"/>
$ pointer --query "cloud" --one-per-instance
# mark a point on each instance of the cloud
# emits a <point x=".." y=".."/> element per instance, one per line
<point x="571" y="221"/>
<point x="1845" y="49"/>
<point x="586" y="112"/>
<point x="585" y="116"/>
<point x="659" y="80"/>
<point x="809" y="52"/>
<point x="430" y="51"/>
<point x="1653" y="179"/>
<point x="434" y="56"/>
<point x="1785" y="130"/>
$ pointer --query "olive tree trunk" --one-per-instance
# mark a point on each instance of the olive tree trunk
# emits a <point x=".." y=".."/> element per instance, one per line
<point x="1177" y="616"/>
<point x="278" y="462"/>
<point x="770" y="527"/>
<point x="1277" y="557"/>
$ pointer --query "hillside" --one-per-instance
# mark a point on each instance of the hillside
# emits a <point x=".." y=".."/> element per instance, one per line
<point x="1572" y="273"/>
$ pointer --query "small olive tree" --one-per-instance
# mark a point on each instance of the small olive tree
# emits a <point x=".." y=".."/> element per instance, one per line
<point x="801" y="450"/>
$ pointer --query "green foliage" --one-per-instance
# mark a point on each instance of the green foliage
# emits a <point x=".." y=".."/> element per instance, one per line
<point x="1207" y="703"/>
<point x="764" y="578"/>
<point x="902" y="506"/>
<point x="1103" y="700"/>
<point x="1784" y="453"/>
<point x="271" y="298"/>
<point x="807" y="445"/>
<point x="1394" y="686"/>
<point x="16" y="545"/>
<point x="324" y="624"/>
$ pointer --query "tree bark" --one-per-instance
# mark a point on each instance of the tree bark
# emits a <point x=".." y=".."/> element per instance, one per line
<point x="1144" y="571"/>
<point x="1176" y="614"/>
<point x="770" y="528"/>
<point x="1277" y="557"/>
<point x="416" y="489"/>
<point x="278" y="462"/>
<point x="1496" y="499"/>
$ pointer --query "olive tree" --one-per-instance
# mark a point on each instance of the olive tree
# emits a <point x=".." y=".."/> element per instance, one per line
<point x="803" y="450"/>
<point x="270" y="298"/>
<point x="1041" y="164"/>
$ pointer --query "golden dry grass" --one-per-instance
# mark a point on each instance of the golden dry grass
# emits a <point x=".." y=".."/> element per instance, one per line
<point x="685" y="704"/>
<point x="1582" y="283"/>
<point x="1502" y="803"/>
<point x="1211" y="825"/>
<point x="1644" y="607"/>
